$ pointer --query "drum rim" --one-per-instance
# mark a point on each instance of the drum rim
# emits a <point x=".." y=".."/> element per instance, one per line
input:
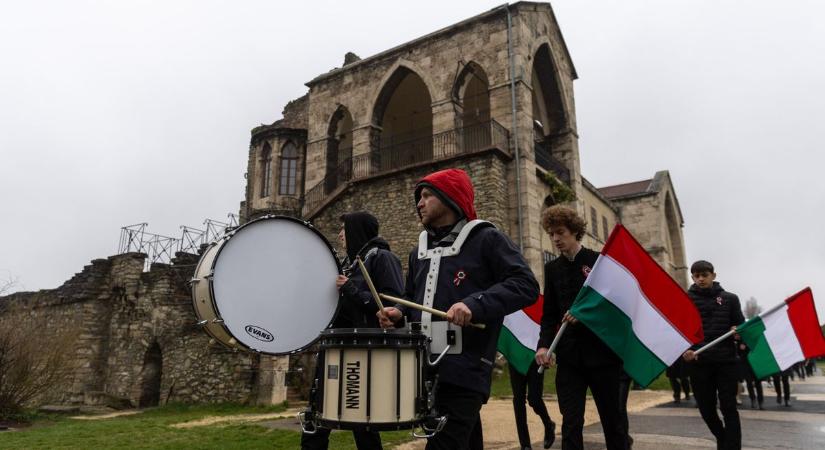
<point x="228" y="236"/>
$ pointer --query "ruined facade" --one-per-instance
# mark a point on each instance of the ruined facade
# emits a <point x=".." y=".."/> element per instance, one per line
<point x="493" y="95"/>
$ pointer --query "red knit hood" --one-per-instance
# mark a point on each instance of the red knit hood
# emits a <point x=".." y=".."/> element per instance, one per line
<point x="455" y="185"/>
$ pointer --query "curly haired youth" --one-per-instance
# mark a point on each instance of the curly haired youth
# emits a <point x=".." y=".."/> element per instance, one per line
<point x="558" y="215"/>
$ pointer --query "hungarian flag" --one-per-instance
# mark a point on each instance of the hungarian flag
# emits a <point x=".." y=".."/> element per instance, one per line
<point x="520" y="335"/>
<point x="637" y="309"/>
<point x="784" y="335"/>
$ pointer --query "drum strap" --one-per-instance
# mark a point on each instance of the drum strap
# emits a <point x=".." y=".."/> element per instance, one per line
<point x="435" y="255"/>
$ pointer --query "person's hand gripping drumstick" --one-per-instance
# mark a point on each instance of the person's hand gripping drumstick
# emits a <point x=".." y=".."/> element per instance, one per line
<point x="372" y="288"/>
<point x="432" y="311"/>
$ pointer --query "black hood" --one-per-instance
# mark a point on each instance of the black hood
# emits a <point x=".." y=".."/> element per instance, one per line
<point x="359" y="227"/>
<point x="712" y="291"/>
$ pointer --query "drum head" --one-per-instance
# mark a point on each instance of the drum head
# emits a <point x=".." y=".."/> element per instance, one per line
<point x="274" y="285"/>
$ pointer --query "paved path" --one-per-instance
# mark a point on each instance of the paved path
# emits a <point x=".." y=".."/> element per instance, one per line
<point x="679" y="427"/>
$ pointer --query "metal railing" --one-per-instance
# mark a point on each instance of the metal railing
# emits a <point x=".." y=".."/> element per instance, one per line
<point x="546" y="161"/>
<point x="406" y="152"/>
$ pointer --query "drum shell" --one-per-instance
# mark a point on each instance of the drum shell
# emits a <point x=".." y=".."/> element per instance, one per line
<point x="202" y="298"/>
<point x="291" y="330"/>
<point x="371" y="378"/>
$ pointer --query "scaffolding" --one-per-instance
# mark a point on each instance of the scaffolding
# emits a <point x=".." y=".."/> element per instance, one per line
<point x="161" y="249"/>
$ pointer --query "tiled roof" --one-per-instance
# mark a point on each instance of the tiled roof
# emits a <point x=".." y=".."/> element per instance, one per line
<point x="626" y="189"/>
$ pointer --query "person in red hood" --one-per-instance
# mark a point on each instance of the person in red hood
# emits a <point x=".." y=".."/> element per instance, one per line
<point x="475" y="273"/>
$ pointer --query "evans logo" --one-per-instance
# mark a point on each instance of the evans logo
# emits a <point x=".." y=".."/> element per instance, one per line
<point x="259" y="333"/>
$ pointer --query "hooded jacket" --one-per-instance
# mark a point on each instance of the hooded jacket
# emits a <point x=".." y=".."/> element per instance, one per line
<point x="357" y="306"/>
<point x="720" y="310"/>
<point x="489" y="275"/>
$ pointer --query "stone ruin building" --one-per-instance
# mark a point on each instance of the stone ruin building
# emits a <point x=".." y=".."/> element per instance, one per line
<point x="492" y="95"/>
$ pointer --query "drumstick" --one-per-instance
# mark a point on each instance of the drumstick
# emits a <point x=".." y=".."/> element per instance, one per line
<point x="371" y="286"/>
<point x="414" y="305"/>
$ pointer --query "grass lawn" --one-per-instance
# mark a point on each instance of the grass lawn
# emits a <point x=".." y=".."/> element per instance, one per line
<point x="501" y="383"/>
<point x="151" y="429"/>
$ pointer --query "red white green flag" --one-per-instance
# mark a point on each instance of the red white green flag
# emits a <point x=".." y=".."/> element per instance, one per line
<point x="637" y="309"/>
<point x="520" y="335"/>
<point x="784" y="335"/>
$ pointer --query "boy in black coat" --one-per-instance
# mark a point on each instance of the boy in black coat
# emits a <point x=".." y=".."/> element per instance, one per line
<point x="715" y="372"/>
<point x="584" y="361"/>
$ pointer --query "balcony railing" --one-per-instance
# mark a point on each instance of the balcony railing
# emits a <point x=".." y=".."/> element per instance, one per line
<point x="546" y="161"/>
<point x="396" y="155"/>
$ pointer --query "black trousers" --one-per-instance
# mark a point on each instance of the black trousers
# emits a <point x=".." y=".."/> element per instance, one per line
<point x="529" y="387"/>
<point x="364" y="440"/>
<point x="786" y="387"/>
<point x="679" y="385"/>
<point x="624" y="391"/>
<point x="463" y="428"/>
<point x="754" y="387"/>
<point x="571" y="386"/>
<point x="712" y="381"/>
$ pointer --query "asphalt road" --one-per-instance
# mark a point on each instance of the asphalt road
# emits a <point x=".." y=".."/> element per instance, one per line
<point x="679" y="426"/>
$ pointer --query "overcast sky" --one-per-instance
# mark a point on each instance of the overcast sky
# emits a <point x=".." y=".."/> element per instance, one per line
<point x="121" y="112"/>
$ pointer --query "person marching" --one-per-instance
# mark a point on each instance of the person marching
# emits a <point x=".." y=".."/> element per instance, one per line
<point x="755" y="392"/>
<point x="359" y="236"/>
<point x="782" y="377"/>
<point x="679" y="380"/>
<point x="715" y="372"/>
<point x="473" y="271"/>
<point x="583" y="360"/>
<point x="530" y="387"/>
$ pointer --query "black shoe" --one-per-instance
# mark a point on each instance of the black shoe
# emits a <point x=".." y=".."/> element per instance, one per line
<point x="761" y="407"/>
<point x="778" y="400"/>
<point x="787" y="403"/>
<point x="753" y="404"/>
<point x="549" y="435"/>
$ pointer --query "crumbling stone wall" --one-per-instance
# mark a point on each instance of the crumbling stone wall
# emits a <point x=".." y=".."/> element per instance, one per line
<point x="117" y="312"/>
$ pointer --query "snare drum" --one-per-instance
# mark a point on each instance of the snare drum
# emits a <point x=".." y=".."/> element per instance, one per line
<point x="268" y="286"/>
<point x="372" y="378"/>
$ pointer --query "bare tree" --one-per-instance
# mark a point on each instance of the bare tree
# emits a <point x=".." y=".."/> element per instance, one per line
<point x="752" y="308"/>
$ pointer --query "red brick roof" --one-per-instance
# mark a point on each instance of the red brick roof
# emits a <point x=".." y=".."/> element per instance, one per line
<point x="626" y="189"/>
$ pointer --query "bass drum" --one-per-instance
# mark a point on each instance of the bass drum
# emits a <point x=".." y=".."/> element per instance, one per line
<point x="268" y="286"/>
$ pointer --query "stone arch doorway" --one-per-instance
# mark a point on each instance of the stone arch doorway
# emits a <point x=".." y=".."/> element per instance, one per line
<point x="550" y="119"/>
<point x="403" y="121"/>
<point x="472" y="95"/>
<point x="150" y="377"/>
<point x="339" y="149"/>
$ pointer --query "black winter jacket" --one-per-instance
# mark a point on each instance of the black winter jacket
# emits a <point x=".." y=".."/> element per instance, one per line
<point x="720" y="310"/>
<point x="357" y="306"/>
<point x="495" y="280"/>
<point x="562" y="281"/>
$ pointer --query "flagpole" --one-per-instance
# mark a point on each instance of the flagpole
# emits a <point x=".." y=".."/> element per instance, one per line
<point x="731" y="332"/>
<point x="554" y="343"/>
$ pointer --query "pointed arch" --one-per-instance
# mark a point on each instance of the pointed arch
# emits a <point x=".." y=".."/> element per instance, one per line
<point x="150" y="376"/>
<point x="471" y="92"/>
<point x="266" y="170"/>
<point x="339" y="148"/>
<point x="549" y="105"/>
<point x="288" y="176"/>
<point x="402" y="120"/>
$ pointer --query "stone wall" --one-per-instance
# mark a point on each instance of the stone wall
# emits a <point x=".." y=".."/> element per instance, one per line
<point x="118" y="313"/>
<point x="391" y="199"/>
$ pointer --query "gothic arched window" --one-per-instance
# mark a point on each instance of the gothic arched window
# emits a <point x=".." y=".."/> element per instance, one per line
<point x="266" y="167"/>
<point x="289" y="170"/>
